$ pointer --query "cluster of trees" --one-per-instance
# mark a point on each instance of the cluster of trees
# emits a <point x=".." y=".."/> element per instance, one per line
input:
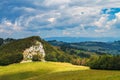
<point x="9" y="59"/>
<point x="1" y="41"/>
<point x="80" y="61"/>
<point x="107" y="62"/>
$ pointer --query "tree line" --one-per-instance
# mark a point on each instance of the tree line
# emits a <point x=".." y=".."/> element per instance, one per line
<point x="107" y="62"/>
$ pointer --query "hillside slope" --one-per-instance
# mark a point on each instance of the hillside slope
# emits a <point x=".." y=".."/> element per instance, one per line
<point x="12" y="52"/>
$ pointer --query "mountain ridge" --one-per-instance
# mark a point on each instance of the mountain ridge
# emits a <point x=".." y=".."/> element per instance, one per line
<point x="83" y="39"/>
<point x="92" y="46"/>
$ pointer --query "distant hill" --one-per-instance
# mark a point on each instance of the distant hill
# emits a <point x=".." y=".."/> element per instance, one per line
<point x="73" y="50"/>
<point x="11" y="51"/>
<point x="82" y="39"/>
<point x="92" y="46"/>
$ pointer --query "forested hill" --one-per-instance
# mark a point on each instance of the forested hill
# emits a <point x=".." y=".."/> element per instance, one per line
<point x="11" y="51"/>
<point x="97" y="47"/>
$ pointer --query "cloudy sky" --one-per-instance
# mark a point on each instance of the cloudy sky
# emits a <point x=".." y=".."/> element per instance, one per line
<point x="58" y="18"/>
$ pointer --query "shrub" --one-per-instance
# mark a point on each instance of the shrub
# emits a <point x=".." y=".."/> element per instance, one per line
<point x="37" y="57"/>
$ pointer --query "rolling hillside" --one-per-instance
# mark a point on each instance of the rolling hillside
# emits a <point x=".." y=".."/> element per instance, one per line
<point x="54" y="71"/>
<point x="97" y="47"/>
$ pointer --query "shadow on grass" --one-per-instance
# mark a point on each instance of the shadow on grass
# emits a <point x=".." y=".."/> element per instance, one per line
<point x="80" y="75"/>
<point x="65" y="75"/>
<point x="18" y="76"/>
<point x="23" y="75"/>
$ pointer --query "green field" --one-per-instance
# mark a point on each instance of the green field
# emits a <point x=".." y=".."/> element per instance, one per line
<point x="54" y="71"/>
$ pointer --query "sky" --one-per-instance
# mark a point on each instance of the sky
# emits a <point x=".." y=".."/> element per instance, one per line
<point x="59" y="18"/>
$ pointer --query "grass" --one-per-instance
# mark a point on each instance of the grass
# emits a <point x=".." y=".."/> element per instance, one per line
<point x="54" y="71"/>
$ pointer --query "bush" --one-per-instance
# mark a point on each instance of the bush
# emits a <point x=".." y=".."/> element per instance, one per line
<point x="9" y="59"/>
<point x="37" y="57"/>
<point x="76" y="62"/>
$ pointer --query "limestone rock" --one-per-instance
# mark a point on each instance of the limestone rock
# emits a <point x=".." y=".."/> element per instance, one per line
<point x="36" y="49"/>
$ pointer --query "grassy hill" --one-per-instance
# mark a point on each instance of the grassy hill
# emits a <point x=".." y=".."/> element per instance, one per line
<point x="54" y="71"/>
<point x="11" y="52"/>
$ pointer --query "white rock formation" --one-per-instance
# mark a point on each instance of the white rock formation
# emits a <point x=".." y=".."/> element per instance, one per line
<point x="34" y="50"/>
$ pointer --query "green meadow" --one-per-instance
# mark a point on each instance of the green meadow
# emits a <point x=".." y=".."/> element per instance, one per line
<point x="54" y="71"/>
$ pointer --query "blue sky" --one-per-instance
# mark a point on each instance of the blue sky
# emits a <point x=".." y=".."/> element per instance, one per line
<point x="59" y="18"/>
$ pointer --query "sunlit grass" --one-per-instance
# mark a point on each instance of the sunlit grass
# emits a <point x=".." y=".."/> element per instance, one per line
<point x="54" y="71"/>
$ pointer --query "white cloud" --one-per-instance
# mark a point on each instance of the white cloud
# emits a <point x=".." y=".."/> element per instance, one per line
<point x="116" y="21"/>
<point x="100" y="31"/>
<point x="4" y="31"/>
<point x="103" y="24"/>
<point x="96" y="3"/>
<point x="80" y="3"/>
<point x="118" y="15"/>
<point x="27" y="9"/>
<point x="51" y="20"/>
<point x="56" y="2"/>
<point x="7" y="26"/>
